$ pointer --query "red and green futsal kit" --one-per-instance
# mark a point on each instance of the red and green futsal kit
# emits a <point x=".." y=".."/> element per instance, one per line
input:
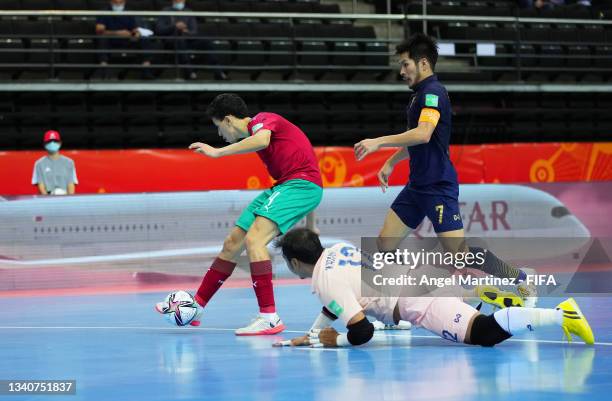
<point x="291" y="161"/>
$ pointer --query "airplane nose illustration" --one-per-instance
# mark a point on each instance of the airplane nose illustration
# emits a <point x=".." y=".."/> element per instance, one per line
<point x="575" y="226"/>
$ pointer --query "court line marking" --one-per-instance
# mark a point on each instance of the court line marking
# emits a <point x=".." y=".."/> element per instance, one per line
<point x="193" y="329"/>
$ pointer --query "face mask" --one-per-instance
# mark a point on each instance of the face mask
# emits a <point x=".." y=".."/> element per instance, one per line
<point x="178" y="6"/>
<point x="53" y="147"/>
<point x="118" y="7"/>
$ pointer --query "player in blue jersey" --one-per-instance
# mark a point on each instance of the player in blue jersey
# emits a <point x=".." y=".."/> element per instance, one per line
<point x="433" y="188"/>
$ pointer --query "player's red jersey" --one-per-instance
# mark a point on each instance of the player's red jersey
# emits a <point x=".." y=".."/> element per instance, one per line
<point x="289" y="155"/>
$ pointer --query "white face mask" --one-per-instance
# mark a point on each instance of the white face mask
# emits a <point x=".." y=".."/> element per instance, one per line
<point x="178" y="6"/>
<point x="118" y="7"/>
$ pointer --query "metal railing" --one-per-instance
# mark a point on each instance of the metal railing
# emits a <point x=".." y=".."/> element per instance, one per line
<point x="375" y="62"/>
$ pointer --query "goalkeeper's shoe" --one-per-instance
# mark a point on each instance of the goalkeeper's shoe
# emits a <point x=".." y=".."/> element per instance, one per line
<point x="574" y="322"/>
<point x="496" y="297"/>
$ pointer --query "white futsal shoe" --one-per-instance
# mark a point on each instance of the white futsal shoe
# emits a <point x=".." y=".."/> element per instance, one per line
<point x="261" y="327"/>
<point x="528" y="292"/>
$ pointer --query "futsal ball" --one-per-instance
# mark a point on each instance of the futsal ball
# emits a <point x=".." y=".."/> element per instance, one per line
<point x="180" y="309"/>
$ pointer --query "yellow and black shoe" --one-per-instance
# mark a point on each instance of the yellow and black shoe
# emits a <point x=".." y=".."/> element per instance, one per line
<point x="574" y="322"/>
<point x="496" y="297"/>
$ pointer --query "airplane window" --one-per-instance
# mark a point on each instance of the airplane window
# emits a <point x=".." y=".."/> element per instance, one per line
<point x="56" y="230"/>
<point x="76" y="229"/>
<point x="155" y="227"/>
<point x="63" y="229"/>
<point x="148" y="226"/>
<point x="127" y="228"/>
<point x="359" y="220"/>
<point x="134" y="227"/>
<point x="112" y="228"/>
<point x="35" y="229"/>
<point x="141" y="227"/>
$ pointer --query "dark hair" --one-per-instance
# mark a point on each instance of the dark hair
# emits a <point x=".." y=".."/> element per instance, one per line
<point x="301" y="244"/>
<point x="227" y="104"/>
<point x="419" y="46"/>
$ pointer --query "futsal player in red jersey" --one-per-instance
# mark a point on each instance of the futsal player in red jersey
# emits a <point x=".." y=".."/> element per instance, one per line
<point x="290" y="159"/>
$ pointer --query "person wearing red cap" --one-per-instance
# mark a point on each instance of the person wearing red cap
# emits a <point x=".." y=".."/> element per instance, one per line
<point x="54" y="174"/>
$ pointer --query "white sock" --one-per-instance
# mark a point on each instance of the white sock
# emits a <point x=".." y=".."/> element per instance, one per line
<point x="270" y="317"/>
<point x="520" y="320"/>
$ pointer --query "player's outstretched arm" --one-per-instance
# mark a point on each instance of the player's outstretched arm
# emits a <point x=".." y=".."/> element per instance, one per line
<point x="259" y="141"/>
<point x="416" y="136"/>
<point x="323" y="320"/>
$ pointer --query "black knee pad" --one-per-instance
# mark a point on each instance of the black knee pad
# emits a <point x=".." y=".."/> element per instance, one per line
<point x="487" y="332"/>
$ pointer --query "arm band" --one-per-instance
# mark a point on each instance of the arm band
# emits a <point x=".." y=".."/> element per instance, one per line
<point x="360" y="332"/>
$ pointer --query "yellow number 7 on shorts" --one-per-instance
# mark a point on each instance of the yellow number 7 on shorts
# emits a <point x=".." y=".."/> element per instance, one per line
<point x="440" y="209"/>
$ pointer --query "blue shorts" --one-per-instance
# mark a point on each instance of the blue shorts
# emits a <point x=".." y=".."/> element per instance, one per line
<point x="443" y="211"/>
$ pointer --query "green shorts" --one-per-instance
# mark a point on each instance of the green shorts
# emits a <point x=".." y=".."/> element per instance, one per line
<point x="284" y="204"/>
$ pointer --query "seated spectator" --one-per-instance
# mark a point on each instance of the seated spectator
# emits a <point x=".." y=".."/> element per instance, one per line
<point x="121" y="32"/>
<point x="54" y="174"/>
<point x="541" y="4"/>
<point x="183" y="29"/>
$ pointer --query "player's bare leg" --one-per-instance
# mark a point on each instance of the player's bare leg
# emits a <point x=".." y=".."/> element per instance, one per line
<point x="392" y="233"/>
<point x="259" y="235"/>
<point x="454" y="241"/>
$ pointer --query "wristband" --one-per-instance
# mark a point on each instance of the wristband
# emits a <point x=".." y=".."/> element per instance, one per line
<point x="342" y="340"/>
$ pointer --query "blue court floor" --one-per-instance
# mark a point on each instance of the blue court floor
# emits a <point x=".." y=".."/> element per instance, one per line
<point x="117" y="348"/>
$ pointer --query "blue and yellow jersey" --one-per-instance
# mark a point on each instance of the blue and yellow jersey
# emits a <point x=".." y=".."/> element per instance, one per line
<point x="431" y="170"/>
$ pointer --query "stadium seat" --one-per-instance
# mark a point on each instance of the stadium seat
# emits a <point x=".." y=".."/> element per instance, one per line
<point x="604" y="54"/>
<point x="107" y="135"/>
<point x="234" y="6"/>
<point x="75" y="136"/>
<point x="174" y="102"/>
<point x="9" y="137"/>
<point x="105" y="103"/>
<point x="554" y="56"/>
<point x="37" y="4"/>
<point x="139" y="102"/>
<point x="583" y="52"/>
<point x="71" y="4"/>
<point x="203" y="5"/>
<point x="592" y="34"/>
<point x="11" y="5"/>
<point x="141" y="5"/>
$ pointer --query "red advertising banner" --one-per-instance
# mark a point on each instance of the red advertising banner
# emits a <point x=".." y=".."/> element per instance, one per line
<point x="153" y="170"/>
